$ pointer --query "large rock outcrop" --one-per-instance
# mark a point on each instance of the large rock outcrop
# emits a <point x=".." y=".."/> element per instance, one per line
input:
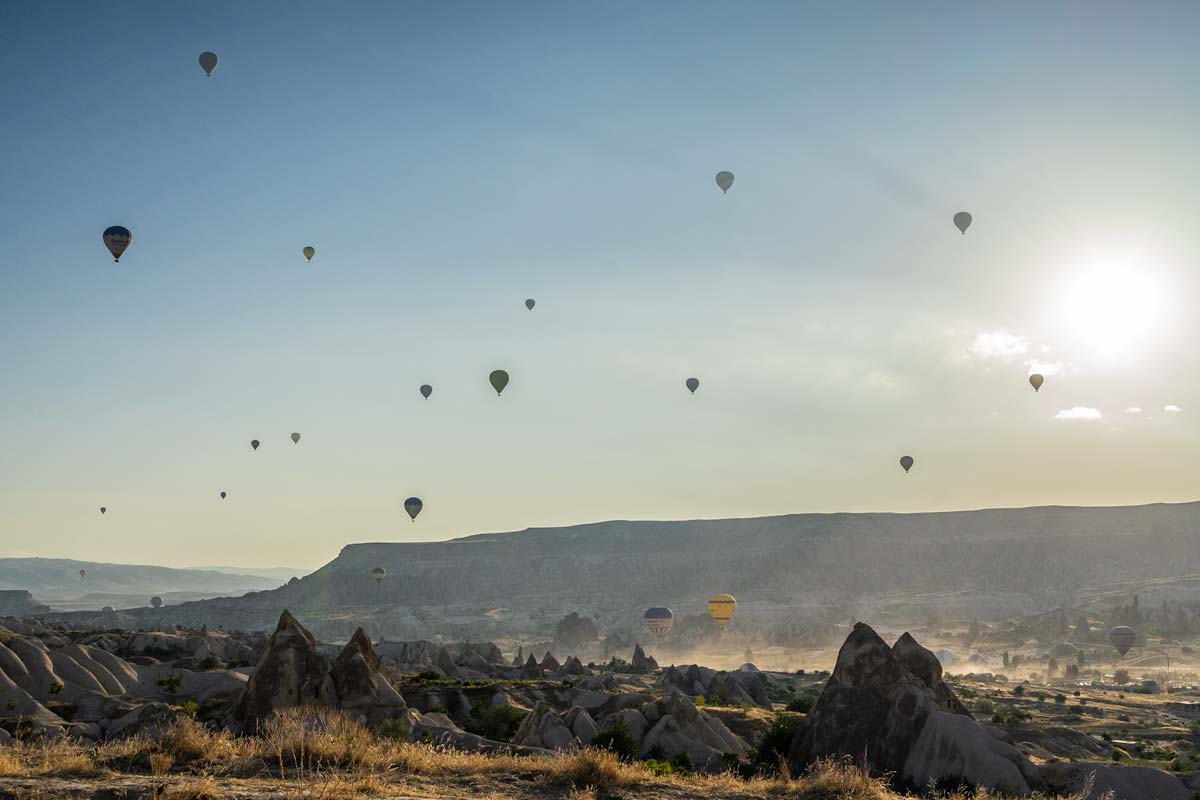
<point x="290" y="673"/>
<point x="360" y="688"/>
<point x="906" y="723"/>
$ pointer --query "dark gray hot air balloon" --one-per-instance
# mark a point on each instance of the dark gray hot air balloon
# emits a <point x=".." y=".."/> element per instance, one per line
<point x="103" y="509"/>
<point x="1122" y="638"/>
<point x="254" y="443"/>
<point x="530" y="303"/>
<point x="82" y="573"/>
<point x="156" y="601"/>
<point x="498" y="379"/>
<point x="1036" y="381"/>
<point x="906" y="462"/>
<point x="962" y="221"/>
<point x="116" y="239"/>
<point x="692" y="385"/>
<point x="724" y="180"/>
<point x="295" y="438"/>
<point x="658" y="620"/>
<point x="208" y="62"/>
<point x="413" y="506"/>
<point x="222" y="495"/>
<point x="426" y="390"/>
<point x="309" y="252"/>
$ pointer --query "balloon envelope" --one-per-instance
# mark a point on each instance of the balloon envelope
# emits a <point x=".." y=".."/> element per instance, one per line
<point x="426" y="390"/>
<point x="692" y="385"/>
<point x="156" y="601"/>
<point x="721" y="608"/>
<point x="103" y="509"/>
<point x="1036" y="381"/>
<point x="962" y="221"/>
<point x="530" y="304"/>
<point x="254" y="443"/>
<point x="413" y="506"/>
<point x="208" y="62"/>
<point x="82" y="572"/>
<point x="658" y="621"/>
<point x="725" y="180"/>
<point x="1122" y="638"/>
<point x="309" y="252"/>
<point x="222" y="495"/>
<point x="379" y="573"/>
<point x="498" y="379"/>
<point x="116" y="239"/>
<point x="295" y="438"/>
<point x="906" y="462"/>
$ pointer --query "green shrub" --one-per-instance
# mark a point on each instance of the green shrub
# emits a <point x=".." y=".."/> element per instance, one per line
<point x="1019" y="689"/>
<point x="777" y="740"/>
<point x="682" y="762"/>
<point x="493" y="722"/>
<point x="803" y="702"/>
<point x="617" y="738"/>
<point x="394" y="729"/>
<point x="1060" y="699"/>
<point x="191" y="709"/>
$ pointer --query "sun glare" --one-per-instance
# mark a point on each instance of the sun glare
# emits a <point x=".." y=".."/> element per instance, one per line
<point x="1111" y="307"/>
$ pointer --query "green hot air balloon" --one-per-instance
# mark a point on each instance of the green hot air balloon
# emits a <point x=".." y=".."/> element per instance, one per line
<point x="692" y="384"/>
<point x="116" y="239"/>
<point x="498" y="379"/>
<point x="1036" y="381"/>
<point x="426" y="390"/>
<point x="309" y="252"/>
<point x="379" y="573"/>
<point x="208" y="62"/>
<point x="254" y="444"/>
<point x="724" y="180"/>
<point x="906" y="462"/>
<point x="962" y="221"/>
<point x="530" y="303"/>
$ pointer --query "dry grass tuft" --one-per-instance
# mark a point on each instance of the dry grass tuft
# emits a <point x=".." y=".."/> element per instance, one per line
<point x="598" y="769"/>
<point x="318" y="740"/>
<point x="194" y="789"/>
<point x="836" y="779"/>
<point x="46" y="758"/>
<point x="161" y="763"/>
<point x="188" y="740"/>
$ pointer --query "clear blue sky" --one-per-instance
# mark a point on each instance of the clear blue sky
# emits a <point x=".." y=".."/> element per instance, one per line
<point x="448" y="160"/>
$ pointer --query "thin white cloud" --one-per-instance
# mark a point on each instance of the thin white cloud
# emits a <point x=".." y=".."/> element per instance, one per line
<point x="999" y="344"/>
<point x="1172" y="408"/>
<point x="1078" y="412"/>
<point x="1133" y="410"/>
<point x="1045" y="368"/>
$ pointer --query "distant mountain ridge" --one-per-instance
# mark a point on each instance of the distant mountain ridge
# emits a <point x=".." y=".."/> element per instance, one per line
<point x="788" y="572"/>
<point x="56" y="581"/>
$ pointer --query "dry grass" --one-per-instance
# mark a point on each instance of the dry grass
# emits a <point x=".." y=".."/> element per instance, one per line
<point x="34" y="759"/>
<point x="204" y="788"/>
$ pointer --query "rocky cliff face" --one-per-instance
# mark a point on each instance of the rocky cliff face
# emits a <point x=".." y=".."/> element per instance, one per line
<point x="996" y="563"/>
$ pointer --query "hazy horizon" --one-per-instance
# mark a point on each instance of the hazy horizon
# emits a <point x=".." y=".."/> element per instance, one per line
<point x="448" y="161"/>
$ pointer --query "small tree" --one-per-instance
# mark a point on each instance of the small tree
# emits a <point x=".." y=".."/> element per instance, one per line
<point x="1019" y="690"/>
<point x="1052" y="668"/>
<point x="1121" y="676"/>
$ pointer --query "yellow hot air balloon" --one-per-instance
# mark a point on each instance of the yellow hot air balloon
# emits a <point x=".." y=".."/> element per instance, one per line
<point x="721" y="608"/>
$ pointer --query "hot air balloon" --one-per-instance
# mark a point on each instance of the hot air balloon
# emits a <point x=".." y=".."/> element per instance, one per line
<point x="1122" y="638"/>
<point x="379" y="573"/>
<point x="103" y="509"/>
<point x="498" y="379"/>
<point x="309" y="252"/>
<point x="426" y="390"/>
<point x="82" y="572"/>
<point x="116" y="239"/>
<point x="1036" y="381"/>
<point x="962" y="221"/>
<point x="254" y="444"/>
<point x="208" y="62"/>
<point x="692" y="384"/>
<point x="530" y="304"/>
<point x="724" y="180"/>
<point x="659" y="621"/>
<point x="156" y="601"/>
<point x="222" y="495"/>
<point x="295" y="438"/>
<point x="413" y="506"/>
<point x="721" y="608"/>
<point x="906" y="462"/>
<point x="106" y="610"/>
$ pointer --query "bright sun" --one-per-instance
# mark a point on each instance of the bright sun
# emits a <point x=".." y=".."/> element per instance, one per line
<point x="1110" y="307"/>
